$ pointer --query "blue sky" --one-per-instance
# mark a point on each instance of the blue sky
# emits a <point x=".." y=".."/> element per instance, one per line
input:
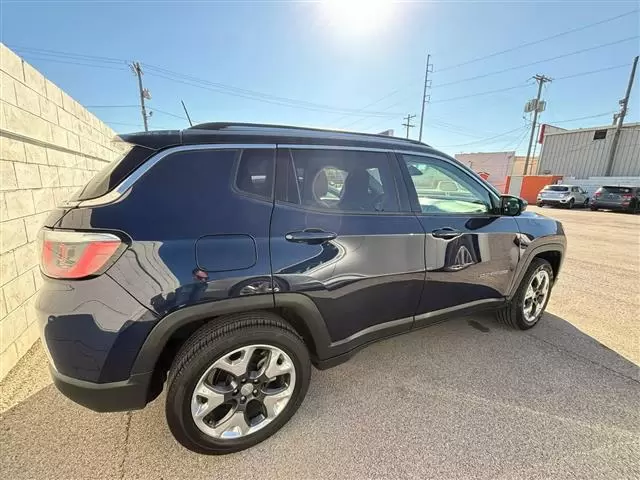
<point x="336" y="56"/>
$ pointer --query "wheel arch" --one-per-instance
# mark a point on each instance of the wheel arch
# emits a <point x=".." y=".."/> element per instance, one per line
<point x="551" y="252"/>
<point x="168" y="335"/>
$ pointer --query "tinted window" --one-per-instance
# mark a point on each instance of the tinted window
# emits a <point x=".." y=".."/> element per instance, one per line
<point x="339" y="180"/>
<point x="617" y="190"/>
<point x="600" y="135"/>
<point x="255" y="172"/>
<point x="443" y="188"/>
<point x="114" y="173"/>
<point x="556" y="188"/>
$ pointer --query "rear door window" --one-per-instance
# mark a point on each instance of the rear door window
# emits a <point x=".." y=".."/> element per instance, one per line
<point x="254" y="175"/>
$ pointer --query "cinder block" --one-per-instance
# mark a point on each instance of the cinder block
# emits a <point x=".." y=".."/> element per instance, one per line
<point x="78" y="177"/>
<point x="81" y="162"/>
<point x="7" y="87"/>
<point x="18" y="290"/>
<point x="12" y="326"/>
<point x="43" y="199"/>
<point x="4" y="215"/>
<point x="27" y="175"/>
<point x="53" y="92"/>
<point x="11" y="149"/>
<point x="11" y="63"/>
<point x="7" y="268"/>
<point x="73" y="142"/>
<point x="58" y="135"/>
<point x="48" y="110"/>
<point x="8" y="179"/>
<point x="57" y="157"/>
<point x="13" y="235"/>
<point x="38" y="280"/>
<point x="34" y="79"/>
<point x="49" y="174"/>
<point x="60" y="194"/>
<point x="19" y="203"/>
<point x="65" y="119"/>
<point x="27" y="98"/>
<point x="8" y="360"/>
<point x="66" y="176"/>
<point x="26" y="256"/>
<point x="35" y="153"/>
<point x="25" y="123"/>
<point x="34" y="223"/>
<point x="3" y="306"/>
<point x="28" y="338"/>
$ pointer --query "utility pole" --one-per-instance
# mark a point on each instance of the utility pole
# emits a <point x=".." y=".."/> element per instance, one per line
<point x="536" y="106"/>
<point x="427" y="84"/>
<point x="408" y="124"/>
<point x="144" y="93"/>
<point x="620" y="119"/>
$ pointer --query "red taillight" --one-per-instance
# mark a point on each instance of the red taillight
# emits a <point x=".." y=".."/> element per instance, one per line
<point x="76" y="254"/>
<point x="597" y="194"/>
<point x="627" y="196"/>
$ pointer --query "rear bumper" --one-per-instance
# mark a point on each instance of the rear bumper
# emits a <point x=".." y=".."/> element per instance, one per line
<point x="611" y="206"/>
<point x="553" y="201"/>
<point x="130" y="394"/>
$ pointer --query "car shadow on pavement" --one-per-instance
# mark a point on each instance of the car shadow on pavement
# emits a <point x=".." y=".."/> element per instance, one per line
<point x="465" y="398"/>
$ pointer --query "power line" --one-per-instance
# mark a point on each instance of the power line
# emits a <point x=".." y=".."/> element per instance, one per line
<point x="535" y="42"/>
<point x="199" y="82"/>
<point x="523" y="65"/>
<point x="55" y="60"/>
<point x="605" y="114"/>
<point x="483" y="140"/>
<point x="408" y="123"/>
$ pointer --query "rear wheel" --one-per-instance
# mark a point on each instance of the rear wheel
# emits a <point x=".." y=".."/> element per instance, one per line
<point x="531" y="298"/>
<point x="236" y="382"/>
<point x="586" y="202"/>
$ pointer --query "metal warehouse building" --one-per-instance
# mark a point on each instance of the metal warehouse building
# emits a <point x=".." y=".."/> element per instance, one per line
<point x="584" y="152"/>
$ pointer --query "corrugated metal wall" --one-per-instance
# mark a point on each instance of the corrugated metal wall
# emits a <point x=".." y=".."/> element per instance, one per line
<point x="577" y="154"/>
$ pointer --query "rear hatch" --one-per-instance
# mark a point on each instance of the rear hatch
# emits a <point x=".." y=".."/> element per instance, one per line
<point x="554" y="192"/>
<point x="614" y="195"/>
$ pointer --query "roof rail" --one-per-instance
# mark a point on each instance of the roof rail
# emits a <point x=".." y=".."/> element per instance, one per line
<point x="223" y="125"/>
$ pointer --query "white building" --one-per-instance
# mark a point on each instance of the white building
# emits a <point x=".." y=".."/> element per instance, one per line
<point x="584" y="152"/>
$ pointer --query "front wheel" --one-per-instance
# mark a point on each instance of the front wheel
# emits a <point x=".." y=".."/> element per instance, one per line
<point x="571" y="204"/>
<point x="236" y="382"/>
<point x="528" y="304"/>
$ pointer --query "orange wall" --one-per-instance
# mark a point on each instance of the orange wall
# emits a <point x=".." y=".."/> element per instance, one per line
<point x="532" y="184"/>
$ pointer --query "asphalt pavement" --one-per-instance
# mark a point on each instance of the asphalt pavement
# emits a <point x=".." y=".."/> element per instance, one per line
<point x="468" y="398"/>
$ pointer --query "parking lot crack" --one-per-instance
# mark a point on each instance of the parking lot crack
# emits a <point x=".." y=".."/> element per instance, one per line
<point x="125" y="448"/>
<point x="579" y="357"/>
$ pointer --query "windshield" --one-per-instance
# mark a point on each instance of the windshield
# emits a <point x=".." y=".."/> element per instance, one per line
<point x="556" y="188"/>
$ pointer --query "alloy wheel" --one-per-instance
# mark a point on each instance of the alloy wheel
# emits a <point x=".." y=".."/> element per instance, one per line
<point x="535" y="297"/>
<point x="243" y="391"/>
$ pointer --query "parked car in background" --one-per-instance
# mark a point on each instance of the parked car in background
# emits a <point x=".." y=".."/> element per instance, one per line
<point x="563" y="196"/>
<point x="616" y="198"/>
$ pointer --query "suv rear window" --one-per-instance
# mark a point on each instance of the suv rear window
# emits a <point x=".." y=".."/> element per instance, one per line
<point x="114" y="173"/>
<point x="617" y="190"/>
<point x="556" y="188"/>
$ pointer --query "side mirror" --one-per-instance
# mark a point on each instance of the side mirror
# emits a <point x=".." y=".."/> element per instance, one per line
<point x="512" y="206"/>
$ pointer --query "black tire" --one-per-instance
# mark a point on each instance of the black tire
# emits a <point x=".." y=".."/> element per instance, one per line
<point x="511" y="314"/>
<point x="593" y="209"/>
<point x="571" y="204"/>
<point x="208" y="344"/>
<point x="586" y="203"/>
<point x="540" y="204"/>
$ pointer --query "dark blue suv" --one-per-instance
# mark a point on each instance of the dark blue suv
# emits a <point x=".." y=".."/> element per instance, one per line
<point x="226" y="259"/>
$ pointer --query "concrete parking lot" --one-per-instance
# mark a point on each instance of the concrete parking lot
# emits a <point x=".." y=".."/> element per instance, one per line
<point x="463" y="399"/>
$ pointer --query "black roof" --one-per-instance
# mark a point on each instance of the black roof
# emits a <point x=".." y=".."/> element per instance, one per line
<point x="227" y="132"/>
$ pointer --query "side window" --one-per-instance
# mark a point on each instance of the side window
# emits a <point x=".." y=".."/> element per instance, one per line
<point x="444" y="189"/>
<point x="341" y="180"/>
<point x="255" y="172"/>
<point x="575" y="189"/>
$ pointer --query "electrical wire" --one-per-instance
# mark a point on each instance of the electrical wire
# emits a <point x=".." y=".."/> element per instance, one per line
<point x="535" y="42"/>
<point x="523" y="65"/>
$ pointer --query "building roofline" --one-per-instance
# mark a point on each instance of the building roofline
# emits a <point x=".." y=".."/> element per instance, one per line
<point x="586" y="129"/>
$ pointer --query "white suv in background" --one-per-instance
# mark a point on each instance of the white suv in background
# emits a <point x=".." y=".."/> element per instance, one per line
<point x="563" y="195"/>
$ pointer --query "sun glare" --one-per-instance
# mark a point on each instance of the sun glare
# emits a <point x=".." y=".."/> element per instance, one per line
<point x="359" y="16"/>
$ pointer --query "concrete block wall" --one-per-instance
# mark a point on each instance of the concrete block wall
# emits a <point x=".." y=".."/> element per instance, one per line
<point x="50" y="146"/>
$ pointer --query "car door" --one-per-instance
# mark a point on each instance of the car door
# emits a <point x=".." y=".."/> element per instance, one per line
<point x="343" y="235"/>
<point x="470" y="251"/>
